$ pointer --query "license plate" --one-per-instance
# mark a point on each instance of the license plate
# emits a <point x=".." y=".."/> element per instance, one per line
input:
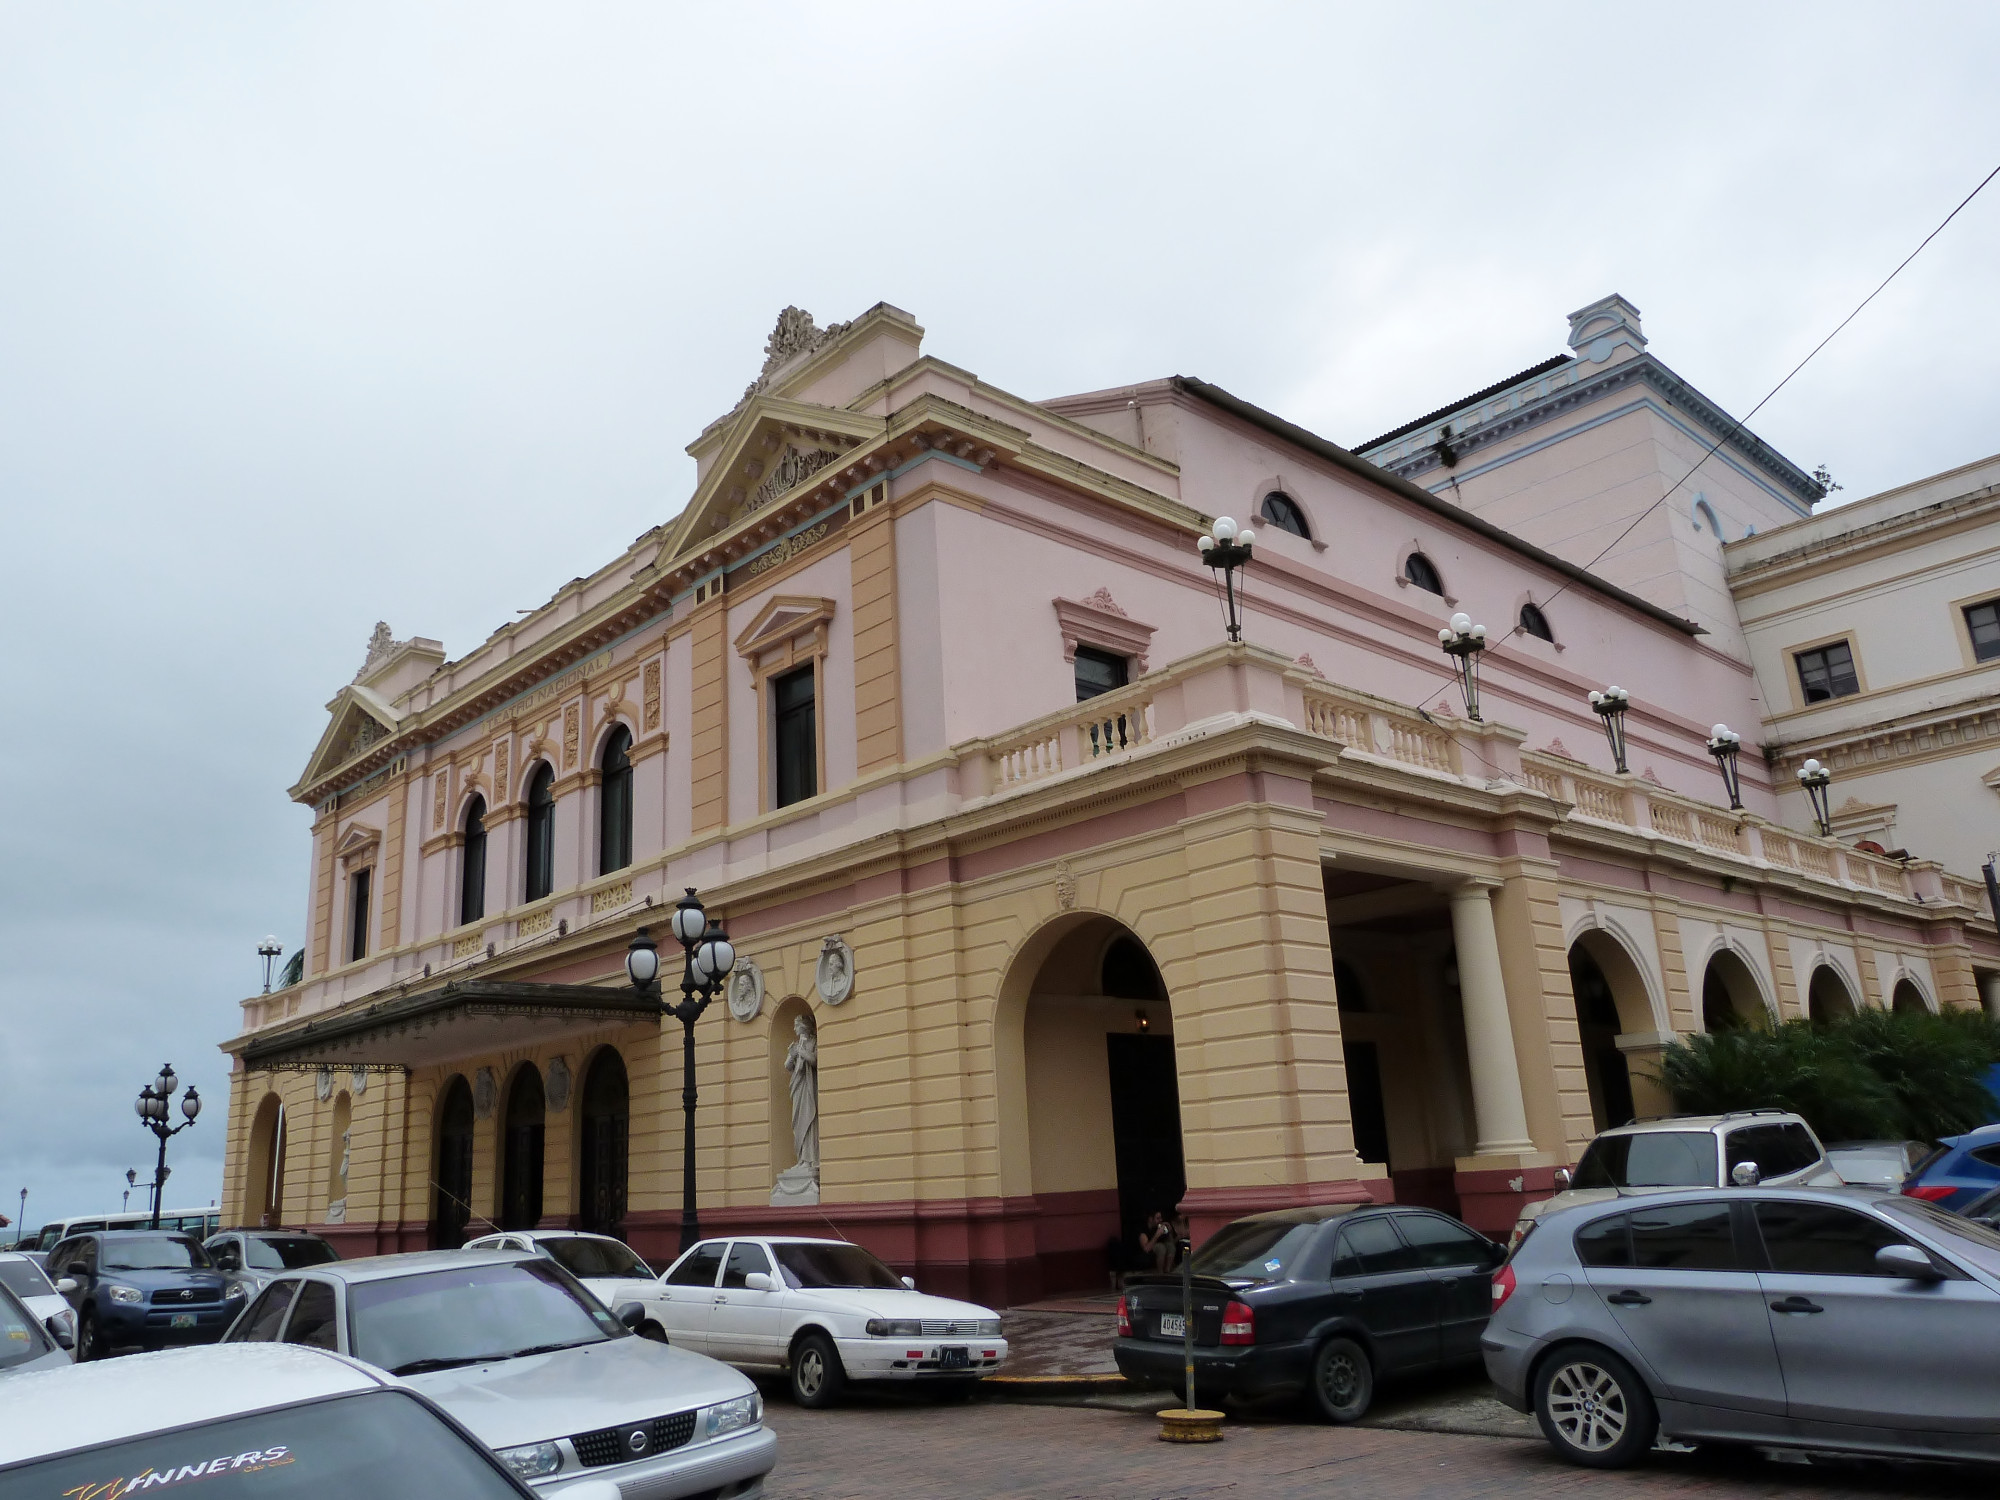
<point x="183" y="1320"/>
<point x="1173" y="1326"/>
<point x="954" y="1357"/>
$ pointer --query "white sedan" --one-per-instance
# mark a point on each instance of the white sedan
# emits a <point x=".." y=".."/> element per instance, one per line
<point x="606" y="1267"/>
<point x="26" y="1280"/>
<point x="825" y="1312"/>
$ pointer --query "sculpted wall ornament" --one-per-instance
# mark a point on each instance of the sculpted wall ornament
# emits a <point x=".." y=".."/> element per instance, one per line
<point x="1065" y="886"/>
<point x="500" y="771"/>
<point x="381" y="644"/>
<point x="558" y="1084"/>
<point x="800" y="1183"/>
<point x="483" y="1092"/>
<point x="323" y="1084"/>
<point x="794" y="468"/>
<point x="650" y="697"/>
<point x="437" y="805"/>
<point x="360" y="1081"/>
<point x="790" y="548"/>
<point x="795" y="334"/>
<point x="833" y="975"/>
<point x="746" y="990"/>
<point x="572" y="732"/>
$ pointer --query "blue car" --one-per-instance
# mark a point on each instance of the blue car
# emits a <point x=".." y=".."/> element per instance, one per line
<point x="1966" y="1166"/>
<point x="141" y="1289"/>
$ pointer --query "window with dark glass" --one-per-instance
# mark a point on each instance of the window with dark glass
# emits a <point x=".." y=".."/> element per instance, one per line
<point x="357" y="915"/>
<point x="1099" y="672"/>
<point x="1983" y="620"/>
<point x="1440" y="1244"/>
<point x="1776" y="1150"/>
<point x="541" y="832"/>
<point x="314" y="1322"/>
<point x="1607" y="1242"/>
<point x="699" y="1267"/>
<point x="796" y="748"/>
<point x="1827" y="672"/>
<point x="1683" y="1237"/>
<point x="1535" y="623"/>
<point x="472" y="878"/>
<point x="1371" y="1248"/>
<point x="1421" y="571"/>
<point x="614" y="807"/>
<point x="1282" y="511"/>
<point x="1819" y="1239"/>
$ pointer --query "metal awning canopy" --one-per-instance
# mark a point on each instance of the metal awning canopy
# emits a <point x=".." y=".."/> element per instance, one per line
<point x="460" y="1019"/>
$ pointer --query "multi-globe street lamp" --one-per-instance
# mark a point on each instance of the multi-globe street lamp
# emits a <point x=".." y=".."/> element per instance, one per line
<point x="1611" y="706"/>
<point x="1813" y="780"/>
<point x="269" y="950"/>
<point x="707" y="958"/>
<point x="1226" y="549"/>
<point x="1462" y="642"/>
<point x="153" y="1111"/>
<point x="1725" y="744"/>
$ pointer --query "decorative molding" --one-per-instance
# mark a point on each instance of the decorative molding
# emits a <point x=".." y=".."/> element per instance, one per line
<point x="611" y="897"/>
<point x="357" y="845"/>
<point x="746" y="990"/>
<point x="1099" y="622"/>
<point x="484" y="1093"/>
<point x="784" y="618"/>
<point x="833" y="975"/>
<point x="500" y="771"/>
<point x="789" y="548"/>
<point x="650" y="697"/>
<point x="443" y="791"/>
<point x="468" y="945"/>
<point x="535" y="925"/>
<point x="793" y="335"/>
<point x="794" y="469"/>
<point x="1065" y="886"/>
<point x="558" y="1082"/>
<point x="572" y="731"/>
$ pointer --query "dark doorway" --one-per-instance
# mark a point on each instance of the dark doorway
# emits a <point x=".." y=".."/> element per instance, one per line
<point x="1597" y="1026"/>
<point x="607" y="1121"/>
<point x="1364" y="1101"/>
<point x="453" y="1205"/>
<point x="521" y="1152"/>
<point x="1145" y="1130"/>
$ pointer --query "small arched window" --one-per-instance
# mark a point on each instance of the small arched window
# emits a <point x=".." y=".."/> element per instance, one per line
<point x="1421" y="571"/>
<point x="1703" y="511"/>
<point x="1535" y="623"/>
<point x="472" y="877"/>
<point x="614" y="808"/>
<point x="541" y="832"/>
<point x="1283" y="512"/>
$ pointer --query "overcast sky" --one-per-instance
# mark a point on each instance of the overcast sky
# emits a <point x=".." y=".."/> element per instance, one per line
<point x="313" y="315"/>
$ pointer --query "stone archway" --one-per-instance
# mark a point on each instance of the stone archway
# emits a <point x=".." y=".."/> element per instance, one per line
<point x="1731" y="998"/>
<point x="264" y="1183"/>
<point x="522" y="1138"/>
<point x="1907" y="999"/>
<point x="1829" y="999"/>
<point x="451" y="1173"/>
<point x="1611" y="1004"/>
<point x="604" y="1114"/>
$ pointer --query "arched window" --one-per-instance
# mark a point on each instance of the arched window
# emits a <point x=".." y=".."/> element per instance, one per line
<point x="472" y="877"/>
<point x="1535" y="623"/>
<point x="1283" y="512"/>
<point x="614" y="807"/>
<point x="1421" y="571"/>
<point x="541" y="832"/>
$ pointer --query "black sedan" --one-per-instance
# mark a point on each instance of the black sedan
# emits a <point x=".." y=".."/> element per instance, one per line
<point x="1324" y="1300"/>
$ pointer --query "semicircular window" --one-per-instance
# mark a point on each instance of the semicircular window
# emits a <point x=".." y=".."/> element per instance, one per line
<point x="1535" y="623"/>
<point x="1421" y="571"/>
<point x="1282" y="511"/>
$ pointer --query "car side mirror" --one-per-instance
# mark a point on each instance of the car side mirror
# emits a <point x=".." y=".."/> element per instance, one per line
<point x="631" y="1314"/>
<point x="1908" y="1260"/>
<point x="757" y="1281"/>
<point x="1745" y="1174"/>
<point x="1496" y="1255"/>
<point x="910" y="1283"/>
<point x="67" y="1285"/>
<point x="59" y="1331"/>
<point x="1563" y="1179"/>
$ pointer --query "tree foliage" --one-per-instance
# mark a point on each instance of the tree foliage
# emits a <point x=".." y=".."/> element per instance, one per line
<point x="1879" y="1075"/>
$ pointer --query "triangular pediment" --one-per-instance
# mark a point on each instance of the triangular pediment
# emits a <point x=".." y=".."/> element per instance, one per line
<point x="357" y="843"/>
<point x="771" y="448"/>
<point x="360" y="720"/>
<point x="782" y="618"/>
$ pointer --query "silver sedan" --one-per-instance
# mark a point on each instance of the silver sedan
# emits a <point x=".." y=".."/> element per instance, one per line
<point x="1790" y="1317"/>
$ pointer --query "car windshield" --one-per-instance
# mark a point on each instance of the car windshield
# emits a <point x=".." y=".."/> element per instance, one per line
<point x="464" y="1315"/>
<point x="293" y="1253"/>
<point x="25" y="1279"/>
<point x="585" y="1255"/>
<point x="1253" y="1250"/>
<point x="21" y="1337"/>
<point x="1653" y="1158"/>
<point x="153" y="1252"/>
<point x="383" y="1444"/>
<point x="834" y="1265"/>
<point x="1967" y="1239"/>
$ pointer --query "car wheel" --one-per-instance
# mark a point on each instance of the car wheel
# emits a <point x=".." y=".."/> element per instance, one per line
<point x="1593" y="1409"/>
<point x="817" y="1376"/>
<point x="1343" y="1380"/>
<point x="88" y="1345"/>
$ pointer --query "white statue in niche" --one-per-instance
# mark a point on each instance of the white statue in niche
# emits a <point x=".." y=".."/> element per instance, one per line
<point x="800" y="1184"/>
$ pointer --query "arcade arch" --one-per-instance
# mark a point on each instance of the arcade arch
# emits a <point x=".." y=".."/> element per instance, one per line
<point x="1611" y="1002"/>
<point x="266" y="1179"/>
<point x="521" y="1144"/>
<point x="451" y="1172"/>
<point x="1731" y="997"/>
<point x="1908" y="998"/>
<point x="1828" y="997"/>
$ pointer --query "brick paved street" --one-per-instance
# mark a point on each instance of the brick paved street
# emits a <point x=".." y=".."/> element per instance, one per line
<point x="907" y="1449"/>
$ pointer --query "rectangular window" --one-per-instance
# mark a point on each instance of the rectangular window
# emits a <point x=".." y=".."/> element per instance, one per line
<point x="795" y="750"/>
<point x="1827" y="672"/>
<point x="1819" y="1239"/>
<point x="357" y="915"/>
<point x="1098" y="672"/>
<point x="1683" y="1237"/>
<point x="1983" y="620"/>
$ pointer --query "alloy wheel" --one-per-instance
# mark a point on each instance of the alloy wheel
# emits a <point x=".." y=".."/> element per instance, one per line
<point x="1588" y="1406"/>
<point x="811" y="1373"/>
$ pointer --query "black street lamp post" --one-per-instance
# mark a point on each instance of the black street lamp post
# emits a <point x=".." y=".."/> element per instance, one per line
<point x="1462" y="642"/>
<point x="1725" y="744"/>
<point x="269" y="950"/>
<point x="707" y="958"/>
<point x="1611" y="706"/>
<point x="153" y="1114"/>
<point x="1227" y="549"/>
<point x="1813" y="778"/>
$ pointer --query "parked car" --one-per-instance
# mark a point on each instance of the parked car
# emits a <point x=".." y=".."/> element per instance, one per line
<point x="1320" y="1300"/>
<point x="607" y="1267"/>
<point x="250" y="1258"/>
<point x="26" y="1280"/>
<point x="825" y="1312"/>
<point x="27" y="1342"/>
<point x="1985" y="1209"/>
<point x="1808" y="1317"/>
<point x="1878" y="1164"/>
<point x="1962" y="1168"/>
<point x="241" y="1422"/>
<point x="136" y="1288"/>
<point x="514" y="1348"/>
<point x="1687" y="1151"/>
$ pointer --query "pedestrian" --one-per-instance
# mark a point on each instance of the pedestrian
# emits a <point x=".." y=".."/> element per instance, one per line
<point x="1157" y="1243"/>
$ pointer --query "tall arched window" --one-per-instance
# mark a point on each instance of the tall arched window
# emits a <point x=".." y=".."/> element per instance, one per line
<point x="1535" y="623"/>
<point x="541" y="832"/>
<point x="1421" y="571"/>
<point x="614" y="807"/>
<point x="1282" y="511"/>
<point x="472" y="876"/>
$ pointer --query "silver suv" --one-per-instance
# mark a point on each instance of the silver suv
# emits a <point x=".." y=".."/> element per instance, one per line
<point x="1749" y="1148"/>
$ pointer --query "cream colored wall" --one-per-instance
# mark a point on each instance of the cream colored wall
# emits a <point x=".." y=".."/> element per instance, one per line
<point x="1069" y="1091"/>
